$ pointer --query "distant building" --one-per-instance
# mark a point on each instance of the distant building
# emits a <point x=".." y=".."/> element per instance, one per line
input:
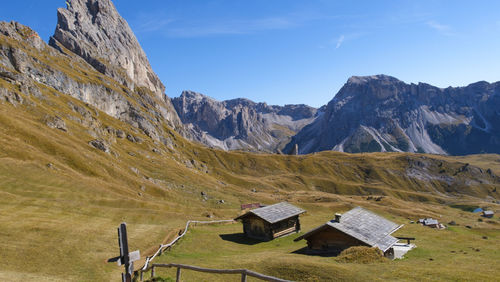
<point x="272" y="221"/>
<point x="251" y="206"/>
<point x="488" y="214"/>
<point x="357" y="227"/>
<point x="430" y="222"/>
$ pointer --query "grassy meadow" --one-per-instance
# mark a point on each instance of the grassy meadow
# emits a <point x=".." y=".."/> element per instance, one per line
<point x="62" y="201"/>
<point x="456" y="253"/>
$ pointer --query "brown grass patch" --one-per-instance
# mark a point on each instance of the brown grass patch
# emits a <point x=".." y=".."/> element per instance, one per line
<point x="361" y="254"/>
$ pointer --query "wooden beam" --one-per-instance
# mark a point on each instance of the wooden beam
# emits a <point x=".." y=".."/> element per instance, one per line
<point x="178" y="275"/>
<point x="217" y="271"/>
<point x="408" y="239"/>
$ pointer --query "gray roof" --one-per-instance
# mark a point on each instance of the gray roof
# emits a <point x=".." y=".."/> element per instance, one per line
<point x="430" y="221"/>
<point x="365" y="226"/>
<point x="276" y="212"/>
<point x="488" y="212"/>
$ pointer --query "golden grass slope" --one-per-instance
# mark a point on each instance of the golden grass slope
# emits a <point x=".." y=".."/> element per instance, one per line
<point x="61" y="199"/>
<point x="59" y="221"/>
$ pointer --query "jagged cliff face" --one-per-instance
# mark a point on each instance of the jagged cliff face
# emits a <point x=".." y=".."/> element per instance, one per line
<point x="240" y="123"/>
<point x="95" y="31"/>
<point x="29" y="65"/>
<point x="382" y="113"/>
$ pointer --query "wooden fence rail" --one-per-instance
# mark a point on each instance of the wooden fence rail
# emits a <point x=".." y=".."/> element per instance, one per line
<point x="244" y="272"/>
<point x="169" y="245"/>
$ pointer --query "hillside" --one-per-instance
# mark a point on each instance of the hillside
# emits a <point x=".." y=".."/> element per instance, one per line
<point x="55" y="185"/>
<point x="81" y="151"/>
<point x="64" y="198"/>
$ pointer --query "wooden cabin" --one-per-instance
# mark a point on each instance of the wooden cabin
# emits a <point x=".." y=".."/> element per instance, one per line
<point x="488" y="214"/>
<point x="357" y="227"/>
<point x="430" y="222"/>
<point x="272" y="221"/>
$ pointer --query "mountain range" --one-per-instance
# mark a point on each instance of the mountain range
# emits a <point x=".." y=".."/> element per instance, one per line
<point x="241" y="124"/>
<point x="376" y="113"/>
<point x="383" y="114"/>
<point x="369" y="114"/>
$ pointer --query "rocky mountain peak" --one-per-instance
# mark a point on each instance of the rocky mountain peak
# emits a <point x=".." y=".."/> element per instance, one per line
<point x="372" y="79"/>
<point x="378" y="87"/>
<point x="94" y="30"/>
<point x="22" y="33"/>
<point x="382" y="113"/>
<point x="240" y="123"/>
<point x="192" y="95"/>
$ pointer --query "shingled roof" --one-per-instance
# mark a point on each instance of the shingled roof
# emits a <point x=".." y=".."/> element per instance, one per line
<point x="275" y="213"/>
<point x="363" y="225"/>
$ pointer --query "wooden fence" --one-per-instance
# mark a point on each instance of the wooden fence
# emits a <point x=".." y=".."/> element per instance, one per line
<point x="244" y="272"/>
<point x="169" y="245"/>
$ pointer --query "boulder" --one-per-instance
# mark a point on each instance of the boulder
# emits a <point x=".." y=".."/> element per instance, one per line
<point x="100" y="145"/>
<point x="56" y="122"/>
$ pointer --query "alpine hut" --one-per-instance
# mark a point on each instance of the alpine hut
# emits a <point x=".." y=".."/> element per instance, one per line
<point x="272" y="221"/>
<point x="488" y="214"/>
<point x="357" y="227"/>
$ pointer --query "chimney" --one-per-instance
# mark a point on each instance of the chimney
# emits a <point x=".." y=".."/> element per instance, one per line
<point x="337" y="217"/>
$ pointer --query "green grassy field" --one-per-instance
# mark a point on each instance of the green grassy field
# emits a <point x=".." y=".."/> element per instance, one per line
<point x="457" y="253"/>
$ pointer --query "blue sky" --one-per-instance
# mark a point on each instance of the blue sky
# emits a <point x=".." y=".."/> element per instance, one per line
<point x="290" y="52"/>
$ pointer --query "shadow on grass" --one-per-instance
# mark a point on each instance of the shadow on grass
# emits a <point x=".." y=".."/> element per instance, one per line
<point x="239" y="238"/>
<point x="308" y="252"/>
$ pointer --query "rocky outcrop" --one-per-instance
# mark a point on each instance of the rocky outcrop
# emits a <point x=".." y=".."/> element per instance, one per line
<point x="100" y="145"/>
<point x="241" y="123"/>
<point x="382" y="113"/>
<point x="95" y="31"/>
<point x="56" y="122"/>
<point x="27" y="63"/>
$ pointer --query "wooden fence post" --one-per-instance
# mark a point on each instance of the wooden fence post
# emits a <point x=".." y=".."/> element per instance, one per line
<point x="142" y="275"/>
<point x="243" y="277"/>
<point x="152" y="271"/>
<point x="178" y="276"/>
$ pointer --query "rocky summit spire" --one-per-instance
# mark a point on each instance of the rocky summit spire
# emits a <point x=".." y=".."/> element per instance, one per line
<point x="94" y="30"/>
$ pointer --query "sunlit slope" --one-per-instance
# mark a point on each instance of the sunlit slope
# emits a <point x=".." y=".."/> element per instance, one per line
<point x="62" y="199"/>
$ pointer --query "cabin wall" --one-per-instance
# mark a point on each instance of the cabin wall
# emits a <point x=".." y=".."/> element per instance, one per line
<point x="257" y="228"/>
<point x="332" y="240"/>
<point x="286" y="226"/>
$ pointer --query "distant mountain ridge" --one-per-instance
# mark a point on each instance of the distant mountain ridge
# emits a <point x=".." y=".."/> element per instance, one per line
<point x="382" y="113"/>
<point x="369" y="114"/>
<point x="241" y="124"/>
